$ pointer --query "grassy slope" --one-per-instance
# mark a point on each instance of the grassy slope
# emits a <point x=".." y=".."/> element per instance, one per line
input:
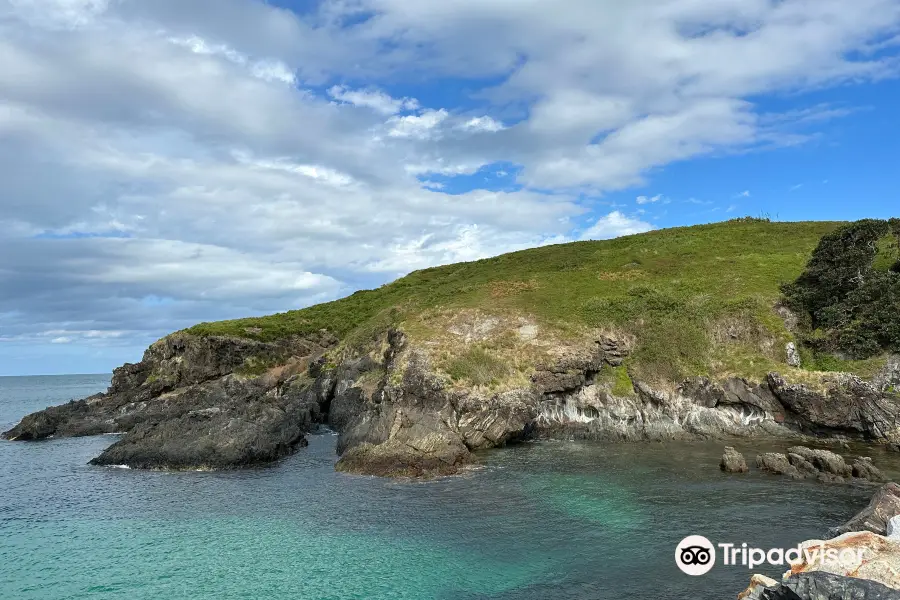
<point x="699" y="299"/>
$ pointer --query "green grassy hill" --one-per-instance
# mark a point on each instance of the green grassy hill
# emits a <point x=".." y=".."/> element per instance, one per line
<point x="696" y="300"/>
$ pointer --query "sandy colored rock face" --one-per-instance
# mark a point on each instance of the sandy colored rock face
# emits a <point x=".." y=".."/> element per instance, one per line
<point x="757" y="583"/>
<point x="861" y="554"/>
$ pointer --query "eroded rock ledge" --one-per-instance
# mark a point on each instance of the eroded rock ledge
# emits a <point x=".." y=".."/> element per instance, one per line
<point x="218" y="402"/>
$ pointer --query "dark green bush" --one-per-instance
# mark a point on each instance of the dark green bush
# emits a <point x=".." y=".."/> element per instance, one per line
<point x="852" y="308"/>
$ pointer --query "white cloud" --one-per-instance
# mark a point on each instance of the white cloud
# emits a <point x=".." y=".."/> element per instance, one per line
<point x="615" y="224"/>
<point x="374" y="99"/>
<point x="267" y="69"/>
<point x="483" y="124"/>
<point x="744" y="194"/>
<point x="420" y="127"/>
<point x="253" y="160"/>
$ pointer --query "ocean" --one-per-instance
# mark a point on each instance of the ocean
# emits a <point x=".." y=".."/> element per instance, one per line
<point x="561" y="520"/>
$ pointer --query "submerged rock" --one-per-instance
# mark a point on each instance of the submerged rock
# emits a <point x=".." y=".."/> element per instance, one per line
<point x="733" y="461"/>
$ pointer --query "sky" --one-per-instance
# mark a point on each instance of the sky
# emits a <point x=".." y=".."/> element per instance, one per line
<point x="167" y="162"/>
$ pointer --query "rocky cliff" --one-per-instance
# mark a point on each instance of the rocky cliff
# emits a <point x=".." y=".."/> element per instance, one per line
<point x="219" y="402"/>
<point x="193" y="402"/>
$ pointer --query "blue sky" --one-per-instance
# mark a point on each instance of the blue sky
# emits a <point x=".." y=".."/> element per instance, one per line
<point x="167" y="163"/>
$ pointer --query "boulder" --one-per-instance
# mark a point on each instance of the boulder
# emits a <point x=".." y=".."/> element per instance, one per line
<point x="733" y="461"/>
<point x="757" y="584"/>
<point x="863" y="468"/>
<point x="860" y="554"/>
<point x="778" y="464"/>
<point x="822" y="586"/>
<point x="823" y="460"/>
<point x="806" y="468"/>
<point x="883" y="506"/>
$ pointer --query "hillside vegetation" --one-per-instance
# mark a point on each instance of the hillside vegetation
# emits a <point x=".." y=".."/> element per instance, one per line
<point x="696" y="300"/>
<point x="849" y="293"/>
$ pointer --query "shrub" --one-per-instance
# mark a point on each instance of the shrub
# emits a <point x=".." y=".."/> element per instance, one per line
<point x="853" y="306"/>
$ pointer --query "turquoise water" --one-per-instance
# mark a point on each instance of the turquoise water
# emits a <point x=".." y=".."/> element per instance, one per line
<point x="542" y="520"/>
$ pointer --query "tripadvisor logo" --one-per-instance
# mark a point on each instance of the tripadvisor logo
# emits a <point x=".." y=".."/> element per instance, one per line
<point x="696" y="555"/>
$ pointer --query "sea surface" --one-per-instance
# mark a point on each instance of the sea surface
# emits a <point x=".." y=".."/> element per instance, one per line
<point x="561" y="520"/>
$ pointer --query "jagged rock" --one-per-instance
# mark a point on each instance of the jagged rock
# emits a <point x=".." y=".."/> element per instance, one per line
<point x="757" y="584"/>
<point x="614" y="351"/>
<point x="824" y="465"/>
<point x="222" y="424"/>
<point x="806" y="468"/>
<point x="884" y="505"/>
<point x="847" y="404"/>
<point x="395" y="443"/>
<point x="863" y="468"/>
<point x="733" y="461"/>
<point x="823" y="460"/>
<point x="824" y="586"/>
<point x="860" y="554"/>
<point x="418" y="426"/>
<point x="187" y="405"/>
<point x="778" y="464"/>
<point x="793" y="355"/>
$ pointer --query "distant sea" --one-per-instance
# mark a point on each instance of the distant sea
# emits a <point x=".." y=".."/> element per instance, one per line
<point x="560" y="520"/>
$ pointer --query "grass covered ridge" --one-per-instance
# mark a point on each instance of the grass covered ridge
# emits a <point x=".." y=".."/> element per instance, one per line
<point x="698" y="300"/>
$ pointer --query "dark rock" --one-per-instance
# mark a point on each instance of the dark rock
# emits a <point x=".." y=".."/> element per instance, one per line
<point x="614" y="351"/>
<point x="197" y="402"/>
<point x="733" y="461"/>
<point x="847" y="404"/>
<point x="884" y="505"/>
<point x="222" y="424"/>
<point x="778" y="464"/>
<point x="825" y="586"/>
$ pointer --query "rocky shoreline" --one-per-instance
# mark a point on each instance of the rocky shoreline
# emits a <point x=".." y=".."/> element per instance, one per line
<point x="860" y="561"/>
<point x="222" y="402"/>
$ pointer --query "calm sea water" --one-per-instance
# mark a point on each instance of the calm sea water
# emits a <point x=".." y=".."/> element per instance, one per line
<point x="560" y="520"/>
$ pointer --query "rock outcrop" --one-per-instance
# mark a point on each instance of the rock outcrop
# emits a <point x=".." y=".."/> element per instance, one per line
<point x="801" y="462"/>
<point x="195" y="402"/>
<point x="885" y="505"/>
<point x="821" y="586"/>
<point x="733" y="461"/>
<point x="860" y="562"/>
